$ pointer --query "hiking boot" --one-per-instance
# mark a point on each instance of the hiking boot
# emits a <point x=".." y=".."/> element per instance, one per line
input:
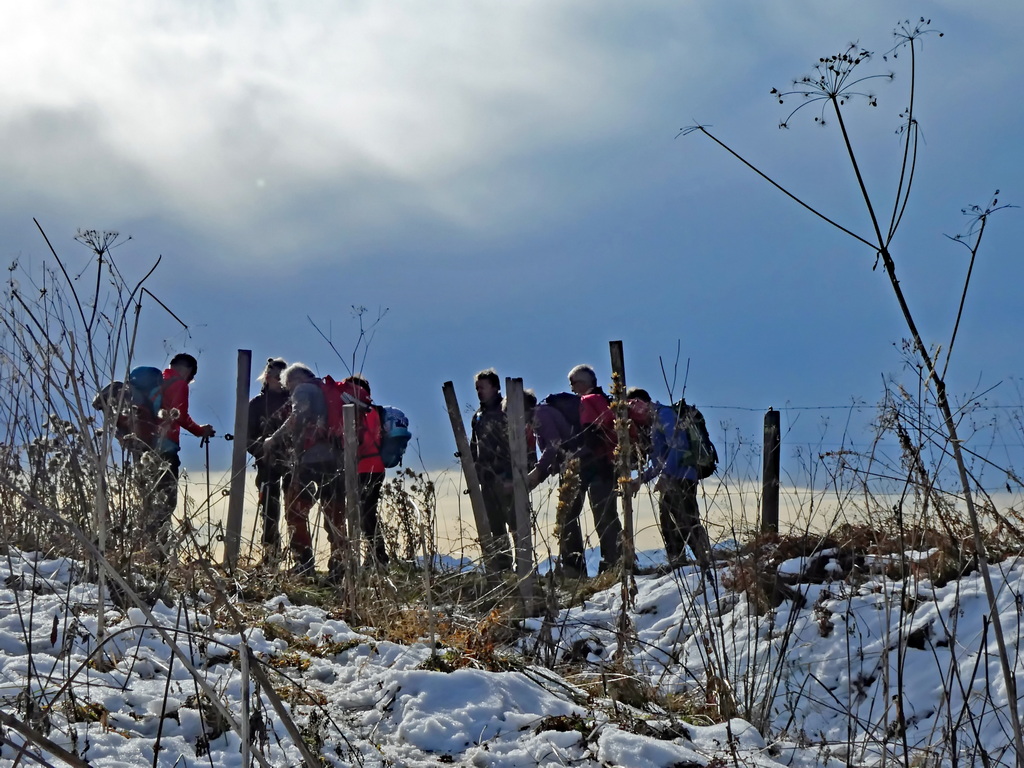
<point x="271" y="558"/>
<point x="604" y="567"/>
<point x="570" y="573"/>
<point x="375" y="564"/>
<point x="709" y="576"/>
<point x="304" y="564"/>
<point x="501" y="562"/>
<point x="336" y="570"/>
<point x="677" y="561"/>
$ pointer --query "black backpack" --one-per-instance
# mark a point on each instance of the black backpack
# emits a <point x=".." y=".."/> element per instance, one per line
<point x="586" y="441"/>
<point x="568" y="405"/>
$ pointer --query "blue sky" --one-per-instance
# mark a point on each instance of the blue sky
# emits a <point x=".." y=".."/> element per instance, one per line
<point x="506" y="179"/>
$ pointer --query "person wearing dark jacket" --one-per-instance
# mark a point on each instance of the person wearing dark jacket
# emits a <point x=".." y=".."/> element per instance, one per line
<point x="493" y="458"/>
<point x="266" y="414"/>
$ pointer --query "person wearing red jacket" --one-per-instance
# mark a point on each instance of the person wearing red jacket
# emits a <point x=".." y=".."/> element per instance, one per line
<point x="371" y="469"/>
<point x="577" y="427"/>
<point x="173" y="417"/>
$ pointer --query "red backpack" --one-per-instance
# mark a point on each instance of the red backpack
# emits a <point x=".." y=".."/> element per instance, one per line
<point x="336" y="395"/>
<point x="591" y="423"/>
<point x="598" y="423"/>
<point x="335" y="428"/>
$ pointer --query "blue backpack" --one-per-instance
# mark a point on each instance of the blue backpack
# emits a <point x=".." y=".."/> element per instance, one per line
<point x="395" y="435"/>
<point x="146" y="387"/>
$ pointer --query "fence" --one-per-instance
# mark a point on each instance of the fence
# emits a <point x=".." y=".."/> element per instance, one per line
<point x="798" y="487"/>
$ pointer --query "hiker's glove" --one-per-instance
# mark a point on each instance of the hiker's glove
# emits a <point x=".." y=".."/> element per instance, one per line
<point x="208" y="431"/>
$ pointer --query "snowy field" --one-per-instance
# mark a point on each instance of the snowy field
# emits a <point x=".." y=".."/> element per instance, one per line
<point x="840" y="672"/>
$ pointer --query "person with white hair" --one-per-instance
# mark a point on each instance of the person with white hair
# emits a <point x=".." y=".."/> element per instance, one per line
<point x="578" y="428"/>
<point x="316" y="469"/>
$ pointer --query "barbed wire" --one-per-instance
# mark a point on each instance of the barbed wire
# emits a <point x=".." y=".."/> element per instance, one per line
<point x="847" y="407"/>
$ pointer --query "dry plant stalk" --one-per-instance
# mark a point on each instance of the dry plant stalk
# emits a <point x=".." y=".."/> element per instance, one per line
<point x="568" y="490"/>
<point x="836" y="82"/>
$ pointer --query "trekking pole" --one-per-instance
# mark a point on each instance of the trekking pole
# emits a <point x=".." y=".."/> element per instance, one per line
<point x="209" y="498"/>
<point x="260" y="523"/>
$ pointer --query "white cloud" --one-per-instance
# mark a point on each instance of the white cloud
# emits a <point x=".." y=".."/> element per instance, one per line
<point x="210" y="110"/>
<point x="250" y="122"/>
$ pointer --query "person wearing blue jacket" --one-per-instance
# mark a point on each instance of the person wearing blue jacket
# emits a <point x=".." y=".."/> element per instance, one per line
<point x="670" y="461"/>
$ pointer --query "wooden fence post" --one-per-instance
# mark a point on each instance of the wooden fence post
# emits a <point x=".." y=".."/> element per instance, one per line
<point x="352" y="511"/>
<point x="476" y="497"/>
<point x="236" y="501"/>
<point x="520" y="491"/>
<point x="770" y="483"/>
<point x="623" y="468"/>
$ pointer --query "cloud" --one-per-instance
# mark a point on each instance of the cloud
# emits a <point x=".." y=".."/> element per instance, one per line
<point x="278" y="127"/>
<point x="226" y="115"/>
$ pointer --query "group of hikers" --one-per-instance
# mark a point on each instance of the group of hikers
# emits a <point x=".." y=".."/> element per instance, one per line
<point x="298" y="449"/>
<point x="296" y="436"/>
<point x="575" y="437"/>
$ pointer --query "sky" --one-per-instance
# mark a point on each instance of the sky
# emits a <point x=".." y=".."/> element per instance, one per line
<point x="504" y="184"/>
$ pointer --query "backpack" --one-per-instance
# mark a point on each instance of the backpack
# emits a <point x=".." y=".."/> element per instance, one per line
<point x="588" y="414"/>
<point x="395" y="435"/>
<point x="568" y="405"/>
<point x="334" y="400"/>
<point x="146" y="388"/>
<point x="598" y="423"/>
<point x="701" y="453"/>
<point x="136" y="402"/>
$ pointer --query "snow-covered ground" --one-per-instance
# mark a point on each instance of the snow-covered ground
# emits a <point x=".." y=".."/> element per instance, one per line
<point x="837" y="673"/>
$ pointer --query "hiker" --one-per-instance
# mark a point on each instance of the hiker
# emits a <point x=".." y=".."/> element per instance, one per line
<point x="596" y="417"/>
<point x="135" y="423"/>
<point x="266" y="413"/>
<point x="172" y="417"/>
<point x="579" y="426"/>
<point x="315" y="470"/>
<point x="675" y="462"/>
<point x="489" y="445"/>
<point x="638" y="401"/>
<point x="371" y="468"/>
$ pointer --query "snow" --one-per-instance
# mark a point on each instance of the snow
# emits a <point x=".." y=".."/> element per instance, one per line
<point x="844" y="672"/>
